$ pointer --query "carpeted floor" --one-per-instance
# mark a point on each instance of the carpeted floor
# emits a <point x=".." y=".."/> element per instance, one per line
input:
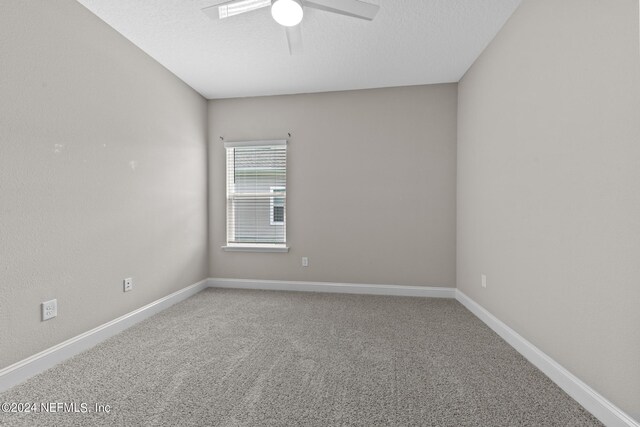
<point x="238" y="357"/>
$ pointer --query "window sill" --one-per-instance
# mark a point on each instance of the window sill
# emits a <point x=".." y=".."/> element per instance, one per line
<point x="255" y="248"/>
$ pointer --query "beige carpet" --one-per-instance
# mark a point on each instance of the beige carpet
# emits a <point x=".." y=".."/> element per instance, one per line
<point x="263" y="358"/>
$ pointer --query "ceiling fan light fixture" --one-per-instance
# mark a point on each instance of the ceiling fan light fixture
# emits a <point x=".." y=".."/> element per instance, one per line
<point x="287" y="12"/>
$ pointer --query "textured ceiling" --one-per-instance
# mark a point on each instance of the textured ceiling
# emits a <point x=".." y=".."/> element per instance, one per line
<point x="409" y="42"/>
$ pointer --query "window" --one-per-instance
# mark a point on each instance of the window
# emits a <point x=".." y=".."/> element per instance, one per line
<point x="256" y="195"/>
<point x="276" y="207"/>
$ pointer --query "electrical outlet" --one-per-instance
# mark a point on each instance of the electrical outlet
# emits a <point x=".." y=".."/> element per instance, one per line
<point x="484" y="280"/>
<point x="49" y="309"/>
<point x="305" y="261"/>
<point x="127" y="284"/>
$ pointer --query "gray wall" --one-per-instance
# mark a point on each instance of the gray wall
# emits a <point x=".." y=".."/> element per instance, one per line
<point x="549" y="186"/>
<point x="102" y="176"/>
<point x="370" y="185"/>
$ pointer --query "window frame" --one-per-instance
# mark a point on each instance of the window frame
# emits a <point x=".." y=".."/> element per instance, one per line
<point x="230" y="230"/>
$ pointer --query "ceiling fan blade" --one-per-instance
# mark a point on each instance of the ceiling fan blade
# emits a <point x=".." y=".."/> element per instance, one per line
<point x="234" y="7"/>
<point x="353" y="8"/>
<point x="294" y="39"/>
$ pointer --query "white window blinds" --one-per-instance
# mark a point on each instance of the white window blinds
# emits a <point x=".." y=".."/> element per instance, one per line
<point x="256" y="193"/>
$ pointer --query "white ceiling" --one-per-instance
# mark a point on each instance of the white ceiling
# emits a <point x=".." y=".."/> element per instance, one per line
<point x="409" y="42"/>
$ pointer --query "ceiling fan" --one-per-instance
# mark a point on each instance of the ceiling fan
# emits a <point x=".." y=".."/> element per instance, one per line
<point x="289" y="13"/>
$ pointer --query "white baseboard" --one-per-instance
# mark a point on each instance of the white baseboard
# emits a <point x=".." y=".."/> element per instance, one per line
<point x="592" y="401"/>
<point x="21" y="371"/>
<point x="342" y="288"/>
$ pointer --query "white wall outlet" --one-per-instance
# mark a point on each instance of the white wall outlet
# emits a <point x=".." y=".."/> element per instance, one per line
<point x="305" y="261"/>
<point x="49" y="309"/>
<point x="484" y="280"/>
<point x="127" y="284"/>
